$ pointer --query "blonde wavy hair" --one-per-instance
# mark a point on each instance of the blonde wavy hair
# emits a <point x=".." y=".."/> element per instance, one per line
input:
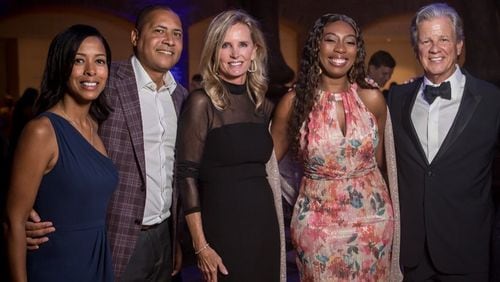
<point x="256" y="82"/>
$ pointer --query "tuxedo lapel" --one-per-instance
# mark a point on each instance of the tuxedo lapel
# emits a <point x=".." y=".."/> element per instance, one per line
<point x="469" y="103"/>
<point x="411" y="96"/>
<point x="129" y="99"/>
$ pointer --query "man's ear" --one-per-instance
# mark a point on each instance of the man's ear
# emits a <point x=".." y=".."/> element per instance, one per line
<point x="460" y="45"/>
<point x="134" y="37"/>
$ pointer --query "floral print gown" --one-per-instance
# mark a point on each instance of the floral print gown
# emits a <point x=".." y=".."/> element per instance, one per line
<point x="342" y="224"/>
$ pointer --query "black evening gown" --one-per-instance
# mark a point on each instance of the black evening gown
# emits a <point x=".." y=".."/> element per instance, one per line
<point x="222" y="157"/>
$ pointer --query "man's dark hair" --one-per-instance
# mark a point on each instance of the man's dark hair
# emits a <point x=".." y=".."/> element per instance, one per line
<point x="144" y="13"/>
<point x="382" y="58"/>
<point x="197" y="77"/>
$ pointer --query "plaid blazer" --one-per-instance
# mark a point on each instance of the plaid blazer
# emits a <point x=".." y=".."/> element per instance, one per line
<point x="123" y="137"/>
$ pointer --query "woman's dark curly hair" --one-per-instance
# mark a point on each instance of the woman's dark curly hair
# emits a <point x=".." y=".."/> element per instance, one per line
<point x="60" y="59"/>
<point x="310" y="71"/>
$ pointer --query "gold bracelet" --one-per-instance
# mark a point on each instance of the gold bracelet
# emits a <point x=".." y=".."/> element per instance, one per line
<point x="201" y="249"/>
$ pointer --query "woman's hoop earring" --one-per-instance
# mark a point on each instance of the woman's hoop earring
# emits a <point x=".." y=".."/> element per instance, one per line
<point x="253" y="67"/>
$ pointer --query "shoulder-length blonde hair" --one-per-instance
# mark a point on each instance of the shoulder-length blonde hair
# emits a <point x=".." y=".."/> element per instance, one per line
<point x="256" y="81"/>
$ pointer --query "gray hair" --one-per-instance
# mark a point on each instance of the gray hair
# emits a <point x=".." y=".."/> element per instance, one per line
<point x="433" y="11"/>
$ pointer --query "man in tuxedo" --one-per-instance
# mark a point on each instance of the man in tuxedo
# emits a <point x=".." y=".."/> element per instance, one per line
<point x="139" y="136"/>
<point x="446" y="125"/>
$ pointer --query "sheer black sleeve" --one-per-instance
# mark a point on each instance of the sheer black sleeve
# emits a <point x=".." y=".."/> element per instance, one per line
<point x="194" y="124"/>
<point x="267" y="109"/>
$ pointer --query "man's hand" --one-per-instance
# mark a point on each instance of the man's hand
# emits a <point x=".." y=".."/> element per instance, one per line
<point x="372" y="82"/>
<point x="36" y="231"/>
<point x="411" y="79"/>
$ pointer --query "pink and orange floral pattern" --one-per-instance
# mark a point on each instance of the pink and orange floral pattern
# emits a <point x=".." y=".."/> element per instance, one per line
<point x="342" y="225"/>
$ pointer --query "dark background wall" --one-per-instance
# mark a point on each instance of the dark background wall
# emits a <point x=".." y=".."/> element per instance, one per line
<point x="19" y="44"/>
<point x="481" y="17"/>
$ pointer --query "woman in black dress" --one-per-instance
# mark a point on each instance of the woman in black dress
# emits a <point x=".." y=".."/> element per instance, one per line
<point x="223" y="147"/>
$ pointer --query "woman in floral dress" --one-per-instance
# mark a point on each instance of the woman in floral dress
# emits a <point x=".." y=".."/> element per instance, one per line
<point x="343" y="221"/>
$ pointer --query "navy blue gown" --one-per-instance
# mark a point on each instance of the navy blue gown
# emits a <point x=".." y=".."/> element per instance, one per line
<point x="74" y="196"/>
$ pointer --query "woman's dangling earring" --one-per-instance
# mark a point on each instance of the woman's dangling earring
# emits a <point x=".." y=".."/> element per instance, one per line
<point x="253" y="67"/>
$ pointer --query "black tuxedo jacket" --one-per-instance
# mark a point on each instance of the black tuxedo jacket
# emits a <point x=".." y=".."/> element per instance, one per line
<point x="447" y="202"/>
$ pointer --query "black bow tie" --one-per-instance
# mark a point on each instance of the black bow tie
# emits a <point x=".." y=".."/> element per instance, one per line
<point x="431" y="92"/>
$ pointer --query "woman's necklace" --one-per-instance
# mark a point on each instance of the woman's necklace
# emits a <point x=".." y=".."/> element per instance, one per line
<point x="80" y="128"/>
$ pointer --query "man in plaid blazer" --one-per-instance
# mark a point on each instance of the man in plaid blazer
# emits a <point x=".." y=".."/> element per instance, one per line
<point x="140" y="137"/>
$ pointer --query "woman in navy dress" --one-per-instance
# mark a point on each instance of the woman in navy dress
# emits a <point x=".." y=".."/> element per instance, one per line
<point x="60" y="167"/>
